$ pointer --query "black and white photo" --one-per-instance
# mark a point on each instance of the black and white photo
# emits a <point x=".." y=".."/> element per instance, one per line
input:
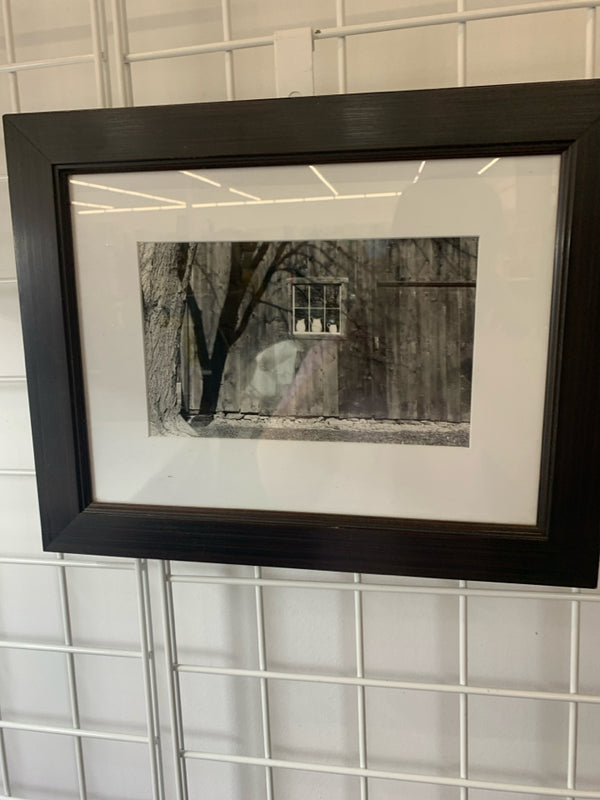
<point x="330" y="340"/>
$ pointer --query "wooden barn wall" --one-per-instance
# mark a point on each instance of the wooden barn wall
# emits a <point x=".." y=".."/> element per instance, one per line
<point x="406" y="341"/>
<point x="427" y="329"/>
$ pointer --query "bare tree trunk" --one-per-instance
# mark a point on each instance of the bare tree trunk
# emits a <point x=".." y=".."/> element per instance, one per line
<point x="246" y="258"/>
<point x="164" y="272"/>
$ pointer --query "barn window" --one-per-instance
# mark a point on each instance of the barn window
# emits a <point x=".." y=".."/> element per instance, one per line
<point x="317" y="307"/>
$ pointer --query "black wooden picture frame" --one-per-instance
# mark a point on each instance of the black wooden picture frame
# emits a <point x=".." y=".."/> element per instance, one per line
<point x="45" y="149"/>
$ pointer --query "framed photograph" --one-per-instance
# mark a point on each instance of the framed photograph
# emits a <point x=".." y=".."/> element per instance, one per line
<point x="353" y="333"/>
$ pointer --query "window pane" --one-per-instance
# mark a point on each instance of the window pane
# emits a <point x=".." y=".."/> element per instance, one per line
<point x="332" y="293"/>
<point x="333" y="321"/>
<point x="316" y="319"/>
<point x="301" y="296"/>
<point x="316" y="295"/>
<point x="300" y="321"/>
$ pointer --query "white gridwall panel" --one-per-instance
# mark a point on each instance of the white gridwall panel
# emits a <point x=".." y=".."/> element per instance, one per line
<point x="78" y="697"/>
<point x="276" y="684"/>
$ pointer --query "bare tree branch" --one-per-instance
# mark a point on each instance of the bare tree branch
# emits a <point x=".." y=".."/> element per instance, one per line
<point x="280" y="256"/>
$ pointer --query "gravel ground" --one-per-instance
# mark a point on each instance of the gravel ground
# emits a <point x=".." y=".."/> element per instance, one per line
<point x="332" y="429"/>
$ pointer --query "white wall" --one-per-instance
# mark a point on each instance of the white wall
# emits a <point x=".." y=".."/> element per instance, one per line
<point x="514" y="643"/>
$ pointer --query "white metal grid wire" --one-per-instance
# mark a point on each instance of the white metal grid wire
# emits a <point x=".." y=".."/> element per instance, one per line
<point x="572" y="697"/>
<point x="144" y="654"/>
<point x="138" y="568"/>
<point x="260" y="672"/>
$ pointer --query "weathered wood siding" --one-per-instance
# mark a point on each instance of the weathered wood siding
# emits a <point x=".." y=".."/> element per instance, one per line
<point x="405" y="347"/>
<point x="428" y="365"/>
<point x="408" y="352"/>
